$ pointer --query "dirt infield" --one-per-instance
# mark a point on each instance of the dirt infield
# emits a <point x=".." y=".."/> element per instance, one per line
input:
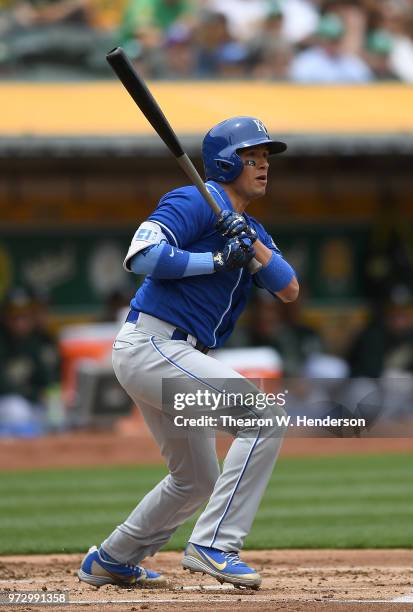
<point x="292" y="581"/>
<point x="133" y="445"/>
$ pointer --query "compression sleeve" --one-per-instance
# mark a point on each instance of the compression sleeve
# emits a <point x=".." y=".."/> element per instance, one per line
<point x="276" y="275"/>
<point x="168" y="262"/>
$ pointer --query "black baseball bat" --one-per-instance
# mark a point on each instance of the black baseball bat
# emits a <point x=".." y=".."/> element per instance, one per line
<point x="137" y="89"/>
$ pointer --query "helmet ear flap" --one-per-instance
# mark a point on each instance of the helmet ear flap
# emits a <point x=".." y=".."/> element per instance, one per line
<point x="224" y="164"/>
<point x="229" y="168"/>
<point x="238" y="165"/>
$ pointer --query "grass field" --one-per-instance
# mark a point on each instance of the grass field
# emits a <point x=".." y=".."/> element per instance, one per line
<point x="327" y="502"/>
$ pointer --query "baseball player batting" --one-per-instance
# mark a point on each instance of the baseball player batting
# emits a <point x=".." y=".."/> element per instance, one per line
<point x="196" y="286"/>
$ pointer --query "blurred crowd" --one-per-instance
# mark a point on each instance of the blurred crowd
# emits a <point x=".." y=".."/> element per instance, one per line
<point x="306" y="41"/>
<point x="30" y="367"/>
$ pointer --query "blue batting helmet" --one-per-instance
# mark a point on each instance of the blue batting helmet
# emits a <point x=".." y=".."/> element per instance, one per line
<point x="221" y="143"/>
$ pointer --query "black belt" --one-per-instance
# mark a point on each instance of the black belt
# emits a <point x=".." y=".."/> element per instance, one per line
<point x="177" y="334"/>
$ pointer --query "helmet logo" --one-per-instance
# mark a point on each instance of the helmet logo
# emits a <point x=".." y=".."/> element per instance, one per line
<point x="260" y="126"/>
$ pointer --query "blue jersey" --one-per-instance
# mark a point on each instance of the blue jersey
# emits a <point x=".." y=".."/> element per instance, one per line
<point x="206" y="306"/>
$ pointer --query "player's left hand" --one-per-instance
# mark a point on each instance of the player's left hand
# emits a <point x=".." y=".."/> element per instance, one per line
<point x="232" y="224"/>
<point x="237" y="253"/>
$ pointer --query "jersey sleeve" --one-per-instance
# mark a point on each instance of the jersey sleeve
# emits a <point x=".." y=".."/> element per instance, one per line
<point x="148" y="234"/>
<point x="183" y="216"/>
<point x="269" y="242"/>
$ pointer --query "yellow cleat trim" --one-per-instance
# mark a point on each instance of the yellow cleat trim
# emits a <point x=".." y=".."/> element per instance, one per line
<point x="218" y="566"/>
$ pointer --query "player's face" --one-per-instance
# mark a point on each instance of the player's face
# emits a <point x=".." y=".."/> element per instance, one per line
<point x="252" y="182"/>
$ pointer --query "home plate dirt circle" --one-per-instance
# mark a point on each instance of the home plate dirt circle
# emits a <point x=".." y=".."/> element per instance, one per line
<point x="295" y="580"/>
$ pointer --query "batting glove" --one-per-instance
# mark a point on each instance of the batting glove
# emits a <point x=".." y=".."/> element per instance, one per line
<point x="237" y="253"/>
<point x="232" y="224"/>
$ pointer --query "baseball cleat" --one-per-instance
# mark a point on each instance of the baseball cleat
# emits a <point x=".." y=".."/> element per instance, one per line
<point x="224" y="566"/>
<point x="98" y="568"/>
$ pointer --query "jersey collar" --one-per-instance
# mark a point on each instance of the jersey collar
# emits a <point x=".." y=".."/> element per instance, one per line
<point x="220" y="195"/>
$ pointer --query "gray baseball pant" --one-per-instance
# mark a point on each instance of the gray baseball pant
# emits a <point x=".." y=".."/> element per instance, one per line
<point x="143" y="355"/>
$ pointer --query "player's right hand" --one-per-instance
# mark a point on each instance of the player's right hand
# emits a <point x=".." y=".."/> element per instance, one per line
<point x="237" y="253"/>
